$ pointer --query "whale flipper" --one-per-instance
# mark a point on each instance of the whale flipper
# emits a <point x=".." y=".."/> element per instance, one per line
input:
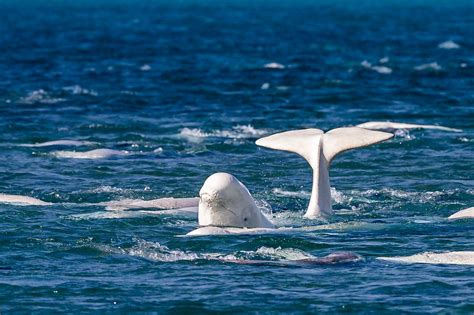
<point x="319" y="149"/>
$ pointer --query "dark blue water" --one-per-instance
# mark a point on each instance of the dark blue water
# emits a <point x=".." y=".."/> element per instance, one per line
<point x="180" y="90"/>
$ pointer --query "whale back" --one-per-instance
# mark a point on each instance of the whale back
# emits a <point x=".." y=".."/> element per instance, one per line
<point x="226" y="202"/>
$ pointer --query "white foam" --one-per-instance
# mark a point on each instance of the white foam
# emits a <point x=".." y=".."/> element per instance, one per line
<point x="39" y="96"/>
<point x="449" y="44"/>
<point x="382" y="69"/>
<point x="22" y="200"/>
<point x="59" y="143"/>
<point x="274" y="65"/>
<point x="434" y="66"/>
<point x="384" y="60"/>
<point x="279" y="253"/>
<point x="447" y="258"/>
<point x="157" y="252"/>
<point x="337" y="196"/>
<point x="379" y="69"/>
<point x="145" y="68"/>
<point x="93" y="154"/>
<point x="287" y="193"/>
<point x="237" y="132"/>
<point x="265" y="86"/>
<point x="78" y="90"/>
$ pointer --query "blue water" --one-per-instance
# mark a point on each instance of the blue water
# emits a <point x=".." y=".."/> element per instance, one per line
<point x="180" y="90"/>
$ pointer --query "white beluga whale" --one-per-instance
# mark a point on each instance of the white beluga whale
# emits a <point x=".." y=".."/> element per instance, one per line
<point x="319" y="149"/>
<point x="226" y="202"/>
<point x="22" y="200"/>
<point x="389" y="125"/>
<point x="91" y="155"/>
<point x="463" y="214"/>
<point x="74" y="143"/>
<point x="446" y="258"/>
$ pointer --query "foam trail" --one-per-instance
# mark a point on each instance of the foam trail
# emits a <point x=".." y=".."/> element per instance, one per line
<point x="386" y="125"/>
<point x="58" y="143"/>
<point x="447" y="258"/>
<point x="22" y="200"/>
<point x="93" y="154"/>
<point x="463" y="214"/>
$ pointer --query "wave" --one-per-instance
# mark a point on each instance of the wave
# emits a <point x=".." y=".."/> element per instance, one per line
<point x="39" y="96"/>
<point x="93" y="154"/>
<point x="278" y="256"/>
<point x="59" y="143"/>
<point x="449" y="44"/>
<point x="446" y="258"/>
<point x="237" y="132"/>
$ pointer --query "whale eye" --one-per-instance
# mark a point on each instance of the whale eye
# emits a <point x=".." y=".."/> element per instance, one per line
<point x="245" y="219"/>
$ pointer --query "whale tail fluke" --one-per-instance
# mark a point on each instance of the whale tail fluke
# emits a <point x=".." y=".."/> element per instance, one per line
<point x="342" y="139"/>
<point x="302" y="142"/>
<point x="305" y="142"/>
<point x="319" y="149"/>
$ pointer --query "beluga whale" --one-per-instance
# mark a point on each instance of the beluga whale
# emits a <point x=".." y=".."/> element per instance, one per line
<point x="224" y="202"/>
<point x="319" y="149"/>
<point x="390" y="125"/>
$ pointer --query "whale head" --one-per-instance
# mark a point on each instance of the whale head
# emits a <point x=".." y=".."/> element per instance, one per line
<point x="226" y="202"/>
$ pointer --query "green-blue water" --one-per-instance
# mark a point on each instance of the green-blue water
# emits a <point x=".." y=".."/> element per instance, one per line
<point x="182" y="88"/>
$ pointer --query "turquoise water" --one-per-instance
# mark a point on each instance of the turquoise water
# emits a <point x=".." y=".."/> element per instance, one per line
<point x="181" y="91"/>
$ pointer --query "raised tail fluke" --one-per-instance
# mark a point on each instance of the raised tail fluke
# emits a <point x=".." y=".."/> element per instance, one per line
<point x="303" y="142"/>
<point x="319" y="149"/>
<point x="339" y="140"/>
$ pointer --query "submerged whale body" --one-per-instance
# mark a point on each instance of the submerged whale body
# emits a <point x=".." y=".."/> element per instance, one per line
<point x="319" y="149"/>
<point x="74" y="143"/>
<point x="333" y="258"/>
<point x="389" y="125"/>
<point x="22" y="200"/>
<point x="447" y="258"/>
<point x="92" y="154"/>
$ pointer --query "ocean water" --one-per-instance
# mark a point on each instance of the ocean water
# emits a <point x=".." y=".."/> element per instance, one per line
<point x="175" y="91"/>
